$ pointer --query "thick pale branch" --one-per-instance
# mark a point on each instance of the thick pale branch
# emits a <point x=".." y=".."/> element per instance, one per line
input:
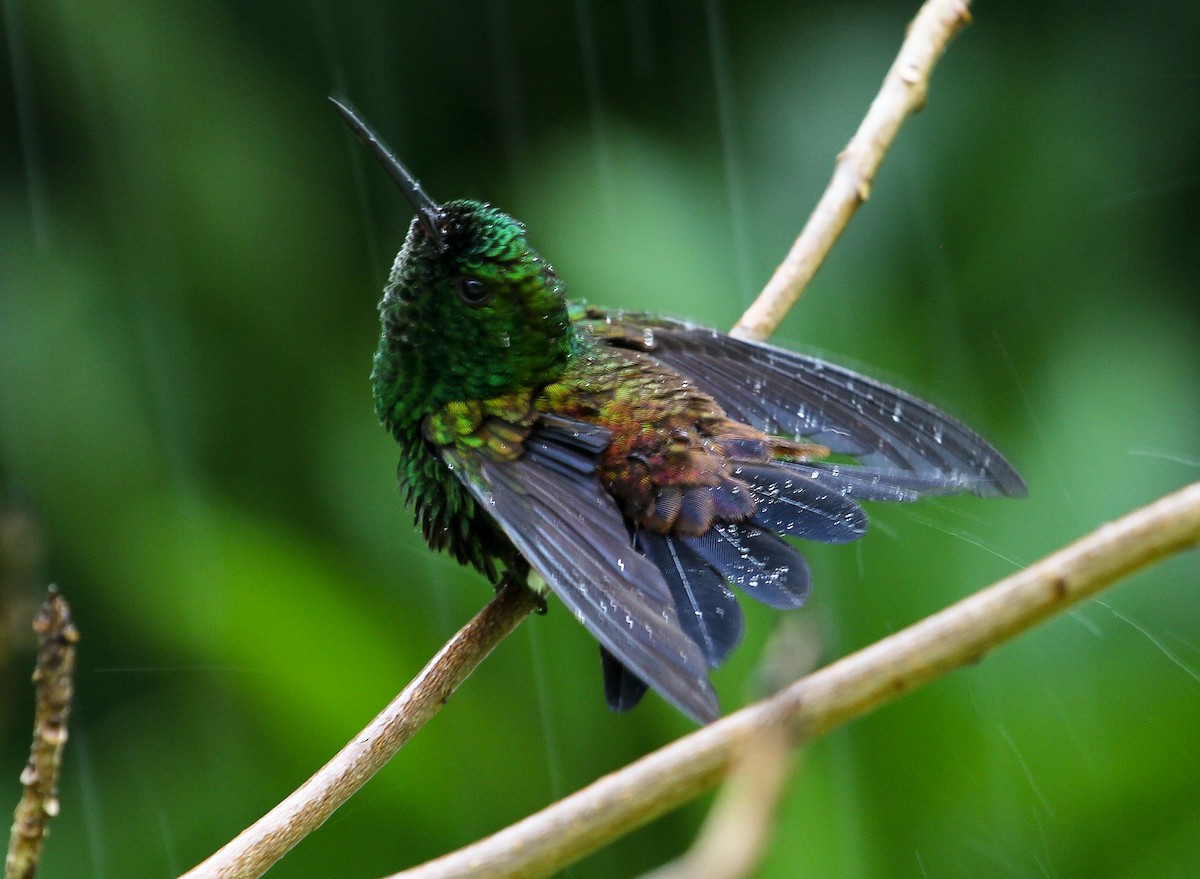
<point x="54" y="676"/>
<point x="902" y="94"/>
<point x="859" y="683"/>
<point x="263" y="843"/>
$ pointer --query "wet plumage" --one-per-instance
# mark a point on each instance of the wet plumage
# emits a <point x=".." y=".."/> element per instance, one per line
<point x="641" y="466"/>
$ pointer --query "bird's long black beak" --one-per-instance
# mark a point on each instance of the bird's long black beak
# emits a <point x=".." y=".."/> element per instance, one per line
<point x="428" y="211"/>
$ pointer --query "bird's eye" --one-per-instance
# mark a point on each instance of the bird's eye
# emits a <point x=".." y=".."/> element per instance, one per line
<point x="473" y="291"/>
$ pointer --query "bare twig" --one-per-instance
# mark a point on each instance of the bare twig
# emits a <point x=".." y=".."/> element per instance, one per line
<point x="57" y="636"/>
<point x="902" y="94"/>
<point x="263" y="843"/>
<point x="962" y="633"/>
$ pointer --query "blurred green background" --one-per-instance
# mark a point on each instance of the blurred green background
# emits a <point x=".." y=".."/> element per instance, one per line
<point x="191" y="250"/>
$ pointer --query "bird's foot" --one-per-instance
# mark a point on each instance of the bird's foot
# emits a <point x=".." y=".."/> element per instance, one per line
<point x="536" y="586"/>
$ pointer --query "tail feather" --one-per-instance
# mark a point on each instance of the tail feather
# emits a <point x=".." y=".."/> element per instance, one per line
<point x="788" y="503"/>
<point x="757" y="562"/>
<point x="623" y="690"/>
<point x="708" y="611"/>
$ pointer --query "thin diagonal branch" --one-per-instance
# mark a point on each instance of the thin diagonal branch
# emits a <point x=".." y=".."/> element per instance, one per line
<point x="53" y="675"/>
<point x="862" y="682"/>
<point x="263" y="843"/>
<point x="902" y="94"/>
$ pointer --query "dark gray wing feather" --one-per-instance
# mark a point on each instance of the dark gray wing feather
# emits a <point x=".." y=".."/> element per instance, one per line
<point x="791" y="394"/>
<point x="571" y="532"/>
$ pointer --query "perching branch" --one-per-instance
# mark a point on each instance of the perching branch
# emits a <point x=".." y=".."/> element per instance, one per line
<point x="902" y="94"/>
<point x="862" y="682"/>
<point x="57" y="637"/>
<point x="263" y="843"/>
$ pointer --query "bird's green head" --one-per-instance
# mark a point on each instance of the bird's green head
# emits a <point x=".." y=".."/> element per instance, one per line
<point x="470" y="311"/>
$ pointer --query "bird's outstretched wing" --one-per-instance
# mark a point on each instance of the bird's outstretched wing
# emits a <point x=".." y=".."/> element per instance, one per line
<point x="552" y="506"/>
<point x="900" y="438"/>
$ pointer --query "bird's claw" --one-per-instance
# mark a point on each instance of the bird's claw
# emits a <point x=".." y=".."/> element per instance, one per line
<point x="537" y="589"/>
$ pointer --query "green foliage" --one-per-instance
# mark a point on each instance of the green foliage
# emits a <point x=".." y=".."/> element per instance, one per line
<point x="191" y="250"/>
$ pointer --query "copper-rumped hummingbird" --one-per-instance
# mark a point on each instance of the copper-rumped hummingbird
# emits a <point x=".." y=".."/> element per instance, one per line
<point x="639" y="465"/>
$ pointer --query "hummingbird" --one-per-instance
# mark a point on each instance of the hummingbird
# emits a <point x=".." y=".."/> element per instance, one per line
<point x="640" y="466"/>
